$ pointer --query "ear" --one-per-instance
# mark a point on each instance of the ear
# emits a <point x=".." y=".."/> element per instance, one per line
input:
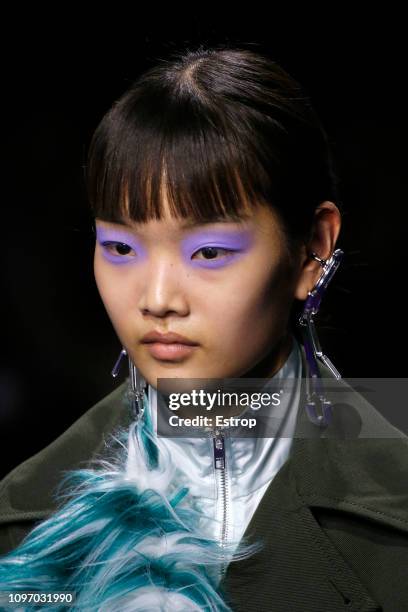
<point x="325" y="231"/>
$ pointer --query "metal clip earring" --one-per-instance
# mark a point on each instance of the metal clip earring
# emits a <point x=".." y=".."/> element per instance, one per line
<point x="315" y="395"/>
<point x="138" y="385"/>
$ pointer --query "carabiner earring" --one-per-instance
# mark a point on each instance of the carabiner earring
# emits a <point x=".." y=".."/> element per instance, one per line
<point x="138" y="385"/>
<point x="315" y="395"/>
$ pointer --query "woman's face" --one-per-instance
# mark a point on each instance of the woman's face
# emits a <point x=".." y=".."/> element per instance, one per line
<point x="226" y="286"/>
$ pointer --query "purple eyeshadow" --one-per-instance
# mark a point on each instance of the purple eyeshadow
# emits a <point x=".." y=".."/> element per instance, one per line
<point x="237" y="242"/>
<point x="115" y="235"/>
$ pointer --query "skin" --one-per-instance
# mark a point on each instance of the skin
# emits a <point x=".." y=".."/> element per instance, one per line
<point x="235" y="306"/>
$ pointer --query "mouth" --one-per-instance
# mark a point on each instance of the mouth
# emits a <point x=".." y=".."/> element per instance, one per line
<point x="168" y="346"/>
<point x="174" y="351"/>
<point x="167" y="338"/>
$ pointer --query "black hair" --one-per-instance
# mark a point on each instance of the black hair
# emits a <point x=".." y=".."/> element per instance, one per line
<point x="219" y="129"/>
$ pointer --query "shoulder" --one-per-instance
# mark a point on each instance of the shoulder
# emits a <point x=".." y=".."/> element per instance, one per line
<point x="27" y="492"/>
<point x="358" y="463"/>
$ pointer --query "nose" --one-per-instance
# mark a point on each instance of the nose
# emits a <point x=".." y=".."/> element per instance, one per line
<point x="163" y="291"/>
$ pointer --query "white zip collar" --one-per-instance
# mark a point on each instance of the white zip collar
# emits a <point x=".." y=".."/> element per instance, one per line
<point x="250" y="464"/>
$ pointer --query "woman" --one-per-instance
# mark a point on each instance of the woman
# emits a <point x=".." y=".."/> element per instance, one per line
<point x="216" y="215"/>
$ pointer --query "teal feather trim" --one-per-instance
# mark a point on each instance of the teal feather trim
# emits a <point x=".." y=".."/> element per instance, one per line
<point x="122" y="538"/>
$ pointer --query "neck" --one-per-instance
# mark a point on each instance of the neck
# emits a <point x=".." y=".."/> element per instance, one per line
<point x="266" y="368"/>
<point x="274" y="360"/>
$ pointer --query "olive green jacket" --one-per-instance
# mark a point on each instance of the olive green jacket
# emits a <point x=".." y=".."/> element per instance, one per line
<point x="334" y="519"/>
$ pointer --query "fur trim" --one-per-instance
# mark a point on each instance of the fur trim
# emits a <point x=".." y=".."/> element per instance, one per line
<point x="122" y="540"/>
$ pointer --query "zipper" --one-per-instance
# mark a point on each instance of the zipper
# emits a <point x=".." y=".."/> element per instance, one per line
<point x="221" y="478"/>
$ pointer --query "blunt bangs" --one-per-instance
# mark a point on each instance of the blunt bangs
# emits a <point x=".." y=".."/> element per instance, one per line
<point x="200" y="165"/>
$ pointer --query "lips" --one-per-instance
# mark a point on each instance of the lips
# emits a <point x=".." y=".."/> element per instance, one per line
<point x="168" y="347"/>
<point x="169" y="338"/>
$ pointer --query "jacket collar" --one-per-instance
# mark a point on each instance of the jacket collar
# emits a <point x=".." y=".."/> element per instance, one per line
<point x="358" y="463"/>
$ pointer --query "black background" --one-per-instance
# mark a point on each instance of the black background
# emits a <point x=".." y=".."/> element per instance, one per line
<point x="61" y="75"/>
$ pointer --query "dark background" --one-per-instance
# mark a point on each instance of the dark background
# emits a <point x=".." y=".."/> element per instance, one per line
<point x="58" y="346"/>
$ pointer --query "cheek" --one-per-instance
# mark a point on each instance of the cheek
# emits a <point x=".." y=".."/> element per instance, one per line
<point x="250" y="311"/>
<point x="113" y="290"/>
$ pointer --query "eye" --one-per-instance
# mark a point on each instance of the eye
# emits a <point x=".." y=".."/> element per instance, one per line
<point x="210" y="252"/>
<point x="119" y="249"/>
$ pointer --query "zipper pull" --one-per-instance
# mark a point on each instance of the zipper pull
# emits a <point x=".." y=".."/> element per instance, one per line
<point x="219" y="451"/>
